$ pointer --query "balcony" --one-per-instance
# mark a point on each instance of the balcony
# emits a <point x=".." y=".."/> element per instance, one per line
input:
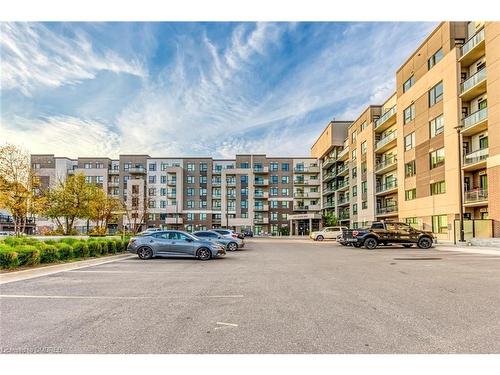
<point x="174" y="220"/>
<point x="264" y="207"/>
<point x="306" y="182"/>
<point x="343" y="170"/>
<point x="71" y="171"/>
<point x="263" y="195"/>
<point x="343" y="155"/>
<point x="310" y="169"/>
<point x="172" y="195"/>
<point x="263" y="182"/>
<point x="328" y="191"/>
<point x="386" y="142"/>
<point x="216" y="183"/>
<point x="476" y="122"/>
<point x="387" y="188"/>
<point x="345" y="215"/>
<point x="217" y="171"/>
<point x="310" y="194"/>
<point x="171" y="182"/>
<point x="328" y="162"/>
<point x="343" y="185"/>
<point x="473" y="49"/>
<point x="391" y="210"/>
<point x="311" y="207"/>
<point x="258" y="170"/>
<point x="328" y="205"/>
<point x="137" y="170"/>
<point x="216" y="196"/>
<point x="113" y="172"/>
<point x="475" y="160"/>
<point x="343" y="200"/>
<point x="113" y="184"/>
<point x="384" y="121"/>
<point x="386" y="165"/>
<point x="477" y="197"/>
<point x="326" y="177"/>
<point x="231" y="183"/>
<point x="261" y="220"/>
<point x="473" y="86"/>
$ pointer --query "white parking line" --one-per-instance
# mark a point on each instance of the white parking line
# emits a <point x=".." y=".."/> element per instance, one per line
<point x="112" y="297"/>
<point x="227" y="324"/>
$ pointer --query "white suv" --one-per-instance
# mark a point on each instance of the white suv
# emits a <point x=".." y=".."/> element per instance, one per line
<point x="327" y="233"/>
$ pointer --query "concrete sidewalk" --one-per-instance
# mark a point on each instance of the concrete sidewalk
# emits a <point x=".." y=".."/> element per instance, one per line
<point x="10" y="277"/>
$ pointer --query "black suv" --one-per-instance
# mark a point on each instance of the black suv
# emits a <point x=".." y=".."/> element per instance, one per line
<point x="387" y="233"/>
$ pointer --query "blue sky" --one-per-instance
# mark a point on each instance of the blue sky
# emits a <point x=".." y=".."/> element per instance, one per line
<point x="204" y="89"/>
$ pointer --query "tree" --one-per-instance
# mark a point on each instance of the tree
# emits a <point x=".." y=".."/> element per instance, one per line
<point x="136" y="209"/>
<point x="329" y="219"/>
<point x="70" y="200"/>
<point x="19" y="186"/>
<point x="102" y="209"/>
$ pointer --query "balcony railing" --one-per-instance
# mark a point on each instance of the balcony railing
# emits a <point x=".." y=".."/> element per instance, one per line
<point x="388" y="138"/>
<point x="264" y="194"/>
<point x="113" y="171"/>
<point x="137" y="170"/>
<point x="387" y="210"/>
<point x="328" y="204"/>
<point x="261" y="182"/>
<point x="385" y="163"/>
<point x="343" y="152"/>
<point x="475" y="118"/>
<point x="385" y="116"/>
<point x="473" y="80"/>
<point x="260" y="169"/>
<point x="476" y="195"/>
<point x="326" y="176"/>
<point x="310" y="169"/>
<point x="312" y="194"/>
<point x="342" y="184"/>
<point x="472" y="42"/>
<point x="261" y="220"/>
<point x="344" y="199"/>
<point x="476" y="156"/>
<point x="387" y="186"/>
<point x="344" y="215"/>
<point x="328" y="191"/>
<point x="342" y="168"/>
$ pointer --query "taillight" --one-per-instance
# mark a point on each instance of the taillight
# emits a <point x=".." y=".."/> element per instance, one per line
<point x="355" y="233"/>
<point x="234" y="235"/>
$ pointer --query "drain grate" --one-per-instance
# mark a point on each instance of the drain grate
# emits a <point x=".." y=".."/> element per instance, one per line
<point x="417" y="258"/>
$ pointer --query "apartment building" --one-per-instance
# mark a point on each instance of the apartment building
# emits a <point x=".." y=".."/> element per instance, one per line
<point x="264" y="194"/>
<point x="425" y="150"/>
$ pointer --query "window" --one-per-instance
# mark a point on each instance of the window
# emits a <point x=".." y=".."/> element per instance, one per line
<point x="410" y="194"/>
<point x="410" y="141"/>
<point x="353" y="138"/>
<point x="409" y="114"/>
<point x="189" y="192"/>
<point x="244" y="191"/>
<point x="203" y="167"/>
<point x="203" y="216"/>
<point x="438" y="188"/>
<point x="87" y="165"/>
<point x="363" y="126"/>
<point x="284" y="192"/>
<point x="190" y="167"/>
<point x="437" y="158"/>
<point x="273" y="204"/>
<point x="190" y="204"/>
<point x="363" y="148"/>
<point x="364" y="187"/>
<point x="163" y="179"/>
<point x="244" y="179"/>
<point x="203" y="192"/>
<point x="440" y="224"/>
<point x="151" y="204"/>
<point x="353" y="154"/>
<point x="284" y="216"/>
<point x="99" y="179"/>
<point x="152" y="167"/>
<point x="244" y="203"/>
<point x="203" y="204"/>
<point x="152" y="179"/>
<point x="274" y="179"/>
<point x="273" y="167"/>
<point x="436" y="126"/>
<point x="355" y="191"/>
<point x="88" y="179"/>
<point x="364" y="205"/>
<point x="364" y="168"/>
<point x="436" y="94"/>
<point x="408" y="83"/>
<point x="437" y="57"/>
<point x="152" y="192"/>
<point x="285" y="167"/>
<point x="284" y="204"/>
<point x="285" y="179"/>
<point x="483" y="142"/>
<point x="354" y="172"/>
<point x="190" y="179"/>
<point x="273" y="191"/>
<point x="355" y="209"/>
<point x="410" y="169"/>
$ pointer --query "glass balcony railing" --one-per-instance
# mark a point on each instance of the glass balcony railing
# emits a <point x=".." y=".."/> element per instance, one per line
<point x="472" y="42"/>
<point x="328" y="204"/>
<point x="343" y="200"/>
<point x="385" y="117"/>
<point x="476" y="195"/>
<point x="473" y="80"/>
<point x="475" y="118"/>
<point x="343" y="184"/>
<point x="388" y="138"/>
<point x="387" y="210"/>
<point x="387" y="186"/>
<point x="385" y="163"/>
<point x="476" y="156"/>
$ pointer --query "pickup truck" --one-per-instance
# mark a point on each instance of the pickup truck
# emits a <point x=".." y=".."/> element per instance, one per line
<point x="387" y="233"/>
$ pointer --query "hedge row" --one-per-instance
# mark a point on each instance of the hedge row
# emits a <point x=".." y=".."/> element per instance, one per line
<point x="15" y="252"/>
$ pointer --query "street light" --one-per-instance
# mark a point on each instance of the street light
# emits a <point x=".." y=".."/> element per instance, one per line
<point x="460" y="184"/>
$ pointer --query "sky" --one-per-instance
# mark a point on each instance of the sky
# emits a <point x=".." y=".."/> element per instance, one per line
<point x="170" y="89"/>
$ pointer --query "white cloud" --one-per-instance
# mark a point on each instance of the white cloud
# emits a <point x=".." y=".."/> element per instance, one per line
<point x="33" y="56"/>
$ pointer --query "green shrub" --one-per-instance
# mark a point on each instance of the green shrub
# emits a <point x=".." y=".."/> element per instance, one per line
<point x="48" y="254"/>
<point x="80" y="249"/>
<point x="70" y="241"/>
<point x="8" y="258"/>
<point x="112" y="249"/>
<point x="50" y="242"/>
<point x="94" y="249"/>
<point x="28" y="255"/>
<point x="17" y="241"/>
<point x="64" y="251"/>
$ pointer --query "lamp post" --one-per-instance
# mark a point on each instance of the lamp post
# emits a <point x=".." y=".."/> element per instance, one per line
<point x="460" y="184"/>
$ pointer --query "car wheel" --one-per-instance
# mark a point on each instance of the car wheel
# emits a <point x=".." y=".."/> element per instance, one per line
<point x="408" y="245"/>
<point x="145" y="253"/>
<point x="370" y="243"/>
<point x="232" y="246"/>
<point x="204" y="254"/>
<point x="320" y="238"/>
<point x="424" y="243"/>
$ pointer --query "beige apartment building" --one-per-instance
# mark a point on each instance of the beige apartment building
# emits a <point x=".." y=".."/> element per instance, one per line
<point x="426" y="150"/>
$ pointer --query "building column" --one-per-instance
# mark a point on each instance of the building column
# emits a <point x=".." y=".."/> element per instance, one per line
<point x="310" y="225"/>
<point x="290" y="232"/>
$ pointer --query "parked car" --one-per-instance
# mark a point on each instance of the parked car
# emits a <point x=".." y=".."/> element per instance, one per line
<point x="327" y="233"/>
<point x="2" y="234"/>
<point x="387" y="233"/>
<point x="230" y="243"/>
<point x="150" y="230"/>
<point x="341" y="240"/>
<point x="174" y="243"/>
<point x="248" y="233"/>
<point x="228" y="233"/>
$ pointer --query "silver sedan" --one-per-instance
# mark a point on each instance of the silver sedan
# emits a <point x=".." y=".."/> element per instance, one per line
<point x="230" y="243"/>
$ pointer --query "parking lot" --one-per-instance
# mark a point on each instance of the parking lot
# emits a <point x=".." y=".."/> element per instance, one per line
<point x="276" y="296"/>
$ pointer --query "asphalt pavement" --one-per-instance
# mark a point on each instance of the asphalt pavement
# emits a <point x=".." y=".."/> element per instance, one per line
<point x="275" y="296"/>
